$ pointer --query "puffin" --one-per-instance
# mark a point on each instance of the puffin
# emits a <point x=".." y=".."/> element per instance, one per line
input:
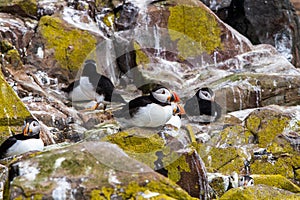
<point x="245" y="181"/>
<point x="202" y="107"/>
<point x="94" y="86"/>
<point x="28" y="140"/>
<point x="175" y="120"/>
<point x="150" y="111"/>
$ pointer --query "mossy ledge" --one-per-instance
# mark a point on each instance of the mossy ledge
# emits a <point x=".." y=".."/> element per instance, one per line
<point x="71" y="45"/>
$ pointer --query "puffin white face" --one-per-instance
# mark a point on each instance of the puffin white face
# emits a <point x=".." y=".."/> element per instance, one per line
<point x="163" y="95"/>
<point x="32" y="127"/>
<point x="206" y="94"/>
<point x="246" y="181"/>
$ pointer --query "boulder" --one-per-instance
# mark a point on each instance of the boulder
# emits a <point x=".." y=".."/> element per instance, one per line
<point x="24" y="8"/>
<point x="13" y="111"/>
<point x="259" y="192"/>
<point x="251" y="90"/>
<point x="87" y="170"/>
<point x="167" y="156"/>
<point x="3" y="179"/>
<point x="259" y="22"/>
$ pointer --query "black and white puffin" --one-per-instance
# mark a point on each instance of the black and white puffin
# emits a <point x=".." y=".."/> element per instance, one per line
<point x="202" y="106"/>
<point x="151" y="111"/>
<point x="28" y="140"/>
<point x="94" y="86"/>
<point x="175" y="120"/>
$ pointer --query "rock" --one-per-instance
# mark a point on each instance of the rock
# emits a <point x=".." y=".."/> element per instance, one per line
<point x="24" y="8"/>
<point x="168" y="157"/>
<point x="250" y="19"/>
<point x="277" y="181"/>
<point x="248" y="90"/>
<point x="16" y="33"/>
<point x="189" y="17"/>
<point x="71" y="46"/>
<point x="266" y="125"/>
<point x="86" y="170"/>
<point x="3" y="179"/>
<point x="296" y="4"/>
<point x="259" y="192"/>
<point x="13" y="111"/>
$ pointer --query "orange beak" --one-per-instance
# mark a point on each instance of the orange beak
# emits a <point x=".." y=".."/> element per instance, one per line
<point x="174" y="98"/>
<point x="181" y="109"/>
<point x="25" y="131"/>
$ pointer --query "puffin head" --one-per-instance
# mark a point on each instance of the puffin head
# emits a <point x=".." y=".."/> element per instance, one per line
<point x="89" y="68"/>
<point x="246" y="181"/>
<point x="164" y="95"/>
<point x="31" y="127"/>
<point x="177" y="109"/>
<point x="206" y="93"/>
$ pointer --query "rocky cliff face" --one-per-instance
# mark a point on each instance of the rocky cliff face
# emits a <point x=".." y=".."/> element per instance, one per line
<point x="250" y="65"/>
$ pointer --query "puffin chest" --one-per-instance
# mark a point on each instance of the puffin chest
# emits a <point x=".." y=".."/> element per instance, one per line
<point x="152" y="115"/>
<point x="23" y="146"/>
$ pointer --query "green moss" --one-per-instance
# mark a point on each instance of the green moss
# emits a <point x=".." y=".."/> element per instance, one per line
<point x="276" y="181"/>
<point x="141" y="57"/>
<point x="71" y="45"/>
<point x="195" y="29"/>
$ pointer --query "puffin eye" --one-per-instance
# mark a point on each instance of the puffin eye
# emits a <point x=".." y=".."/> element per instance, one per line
<point x="163" y="92"/>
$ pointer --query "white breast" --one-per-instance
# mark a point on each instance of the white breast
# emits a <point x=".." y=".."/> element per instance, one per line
<point x="77" y="95"/>
<point x="23" y="146"/>
<point x="152" y="115"/>
<point x="89" y="90"/>
<point x="174" y="121"/>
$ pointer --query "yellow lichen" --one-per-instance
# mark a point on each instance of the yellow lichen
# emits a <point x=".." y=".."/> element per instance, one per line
<point x="12" y="110"/>
<point x="277" y="181"/>
<point x="141" y="57"/>
<point x="195" y="29"/>
<point x="71" y="45"/>
<point x="176" y="167"/>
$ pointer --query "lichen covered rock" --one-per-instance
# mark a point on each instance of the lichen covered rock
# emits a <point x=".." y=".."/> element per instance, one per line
<point x="71" y="45"/>
<point x="166" y="156"/>
<point x="259" y="192"/>
<point x="12" y="110"/>
<point x="87" y="170"/>
<point x="25" y="8"/>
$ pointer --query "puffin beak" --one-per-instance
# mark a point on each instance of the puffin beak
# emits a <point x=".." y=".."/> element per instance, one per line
<point x="179" y="109"/>
<point x="25" y="131"/>
<point x="174" y="97"/>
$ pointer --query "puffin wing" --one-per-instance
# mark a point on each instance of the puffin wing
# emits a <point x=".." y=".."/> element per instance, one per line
<point x="191" y="106"/>
<point x="137" y="103"/>
<point x="129" y="109"/>
<point x="6" y="145"/>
